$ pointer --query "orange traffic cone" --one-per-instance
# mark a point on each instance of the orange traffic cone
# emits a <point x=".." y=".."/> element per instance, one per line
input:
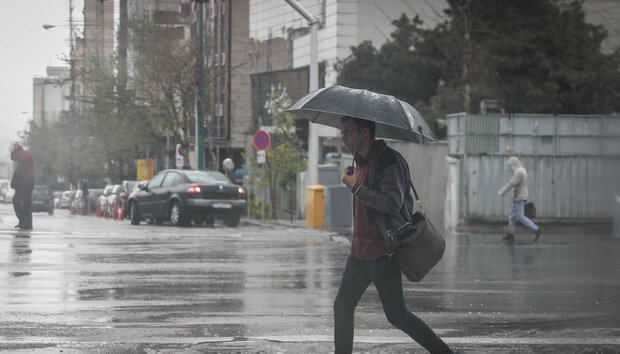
<point x="120" y="215"/>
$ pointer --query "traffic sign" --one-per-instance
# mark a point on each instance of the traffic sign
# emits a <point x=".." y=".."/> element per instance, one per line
<point x="261" y="156"/>
<point x="180" y="152"/>
<point x="261" y="140"/>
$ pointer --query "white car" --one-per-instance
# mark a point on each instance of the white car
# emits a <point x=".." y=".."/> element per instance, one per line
<point x="103" y="199"/>
<point x="114" y="195"/>
<point x="8" y="196"/>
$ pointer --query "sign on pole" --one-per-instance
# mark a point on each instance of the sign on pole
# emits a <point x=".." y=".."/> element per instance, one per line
<point x="261" y="156"/>
<point x="180" y="153"/>
<point x="261" y="140"/>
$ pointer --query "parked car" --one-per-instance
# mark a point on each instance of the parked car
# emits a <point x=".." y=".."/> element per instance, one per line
<point x="42" y="199"/>
<point x="183" y="196"/>
<point x="57" y="196"/>
<point x="128" y="187"/>
<point x="8" y="196"/>
<point x="93" y="198"/>
<point x="103" y="199"/>
<point x="113" y="196"/>
<point x="66" y="199"/>
<point x="77" y="201"/>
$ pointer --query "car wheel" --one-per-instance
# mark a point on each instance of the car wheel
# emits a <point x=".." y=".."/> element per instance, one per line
<point x="177" y="215"/>
<point x="134" y="215"/>
<point x="199" y="220"/>
<point x="232" y="219"/>
<point x="210" y="221"/>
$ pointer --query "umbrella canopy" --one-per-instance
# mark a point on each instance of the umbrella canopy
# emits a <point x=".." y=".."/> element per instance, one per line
<point x="394" y="119"/>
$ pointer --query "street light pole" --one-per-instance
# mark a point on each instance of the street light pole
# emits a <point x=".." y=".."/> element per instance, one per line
<point x="200" y="81"/>
<point x="72" y="94"/>
<point x="313" y="138"/>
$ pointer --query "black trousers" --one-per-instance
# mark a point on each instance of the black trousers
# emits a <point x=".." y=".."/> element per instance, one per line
<point x="22" y="203"/>
<point x="387" y="278"/>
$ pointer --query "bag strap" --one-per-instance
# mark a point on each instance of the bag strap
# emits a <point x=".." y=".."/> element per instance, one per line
<point x="415" y="193"/>
<point x="417" y="198"/>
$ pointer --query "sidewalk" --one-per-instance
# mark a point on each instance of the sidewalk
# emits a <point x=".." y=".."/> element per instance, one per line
<point x="477" y="226"/>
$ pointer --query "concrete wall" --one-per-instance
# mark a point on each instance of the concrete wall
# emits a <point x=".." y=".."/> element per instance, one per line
<point x="573" y="163"/>
<point x="429" y="171"/>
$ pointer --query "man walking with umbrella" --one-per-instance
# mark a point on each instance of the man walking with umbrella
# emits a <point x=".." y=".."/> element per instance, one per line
<point x="380" y="184"/>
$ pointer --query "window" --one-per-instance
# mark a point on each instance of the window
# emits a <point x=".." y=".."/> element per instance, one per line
<point x="156" y="181"/>
<point x="170" y="180"/>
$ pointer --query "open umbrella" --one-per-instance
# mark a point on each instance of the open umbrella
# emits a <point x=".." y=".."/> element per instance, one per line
<point x="394" y="119"/>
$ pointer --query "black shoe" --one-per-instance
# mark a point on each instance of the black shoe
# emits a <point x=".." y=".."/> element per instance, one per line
<point x="509" y="237"/>
<point x="18" y="226"/>
<point x="538" y="233"/>
<point x="25" y="227"/>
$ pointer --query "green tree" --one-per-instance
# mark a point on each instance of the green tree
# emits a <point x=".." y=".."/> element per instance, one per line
<point x="165" y="78"/>
<point x="284" y="158"/>
<point x="535" y="56"/>
<point x="50" y="149"/>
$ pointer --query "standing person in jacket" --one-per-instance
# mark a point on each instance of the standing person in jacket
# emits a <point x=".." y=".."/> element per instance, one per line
<point x="23" y="183"/>
<point x="85" y="206"/>
<point x="518" y="182"/>
<point x="380" y="184"/>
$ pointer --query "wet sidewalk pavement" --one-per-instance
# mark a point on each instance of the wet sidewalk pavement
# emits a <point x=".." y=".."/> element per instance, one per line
<point x="558" y="295"/>
<point x="87" y="285"/>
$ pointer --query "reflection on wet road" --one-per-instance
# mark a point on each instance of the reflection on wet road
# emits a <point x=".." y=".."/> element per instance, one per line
<point x="89" y="285"/>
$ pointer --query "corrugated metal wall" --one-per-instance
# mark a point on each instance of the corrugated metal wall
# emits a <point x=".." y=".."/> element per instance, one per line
<point x="573" y="162"/>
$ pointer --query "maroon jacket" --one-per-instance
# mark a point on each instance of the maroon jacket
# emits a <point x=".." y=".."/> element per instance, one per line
<point x="382" y="202"/>
<point x="383" y="195"/>
<point x="25" y="163"/>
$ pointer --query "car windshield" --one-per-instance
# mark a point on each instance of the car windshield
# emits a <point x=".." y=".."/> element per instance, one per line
<point x="206" y="177"/>
<point x="40" y="191"/>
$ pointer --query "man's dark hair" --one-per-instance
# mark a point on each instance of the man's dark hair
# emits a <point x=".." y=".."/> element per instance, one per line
<point x="361" y="123"/>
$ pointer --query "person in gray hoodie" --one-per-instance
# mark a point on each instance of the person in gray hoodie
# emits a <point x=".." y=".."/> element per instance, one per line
<point x="518" y="182"/>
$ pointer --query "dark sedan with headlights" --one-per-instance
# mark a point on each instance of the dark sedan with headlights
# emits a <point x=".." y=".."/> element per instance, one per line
<point x="183" y="196"/>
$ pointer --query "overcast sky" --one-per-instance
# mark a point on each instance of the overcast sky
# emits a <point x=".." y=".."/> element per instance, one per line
<point x="27" y="49"/>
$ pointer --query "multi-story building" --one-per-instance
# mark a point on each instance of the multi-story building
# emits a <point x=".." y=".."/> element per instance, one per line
<point x="281" y="40"/>
<point x="228" y="123"/>
<point x="50" y="95"/>
<point x="95" y="46"/>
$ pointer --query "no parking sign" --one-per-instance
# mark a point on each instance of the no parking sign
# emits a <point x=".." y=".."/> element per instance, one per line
<point x="261" y="140"/>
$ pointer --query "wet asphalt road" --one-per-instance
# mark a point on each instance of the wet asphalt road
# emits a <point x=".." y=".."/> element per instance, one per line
<point x="88" y="285"/>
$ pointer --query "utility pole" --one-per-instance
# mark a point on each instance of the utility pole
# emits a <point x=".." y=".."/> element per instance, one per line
<point x="467" y="56"/>
<point x="73" y="117"/>
<point x="200" y="82"/>
<point x="122" y="72"/>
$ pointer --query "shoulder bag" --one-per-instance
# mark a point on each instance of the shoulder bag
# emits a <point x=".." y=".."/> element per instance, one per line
<point x="416" y="246"/>
<point x="530" y="210"/>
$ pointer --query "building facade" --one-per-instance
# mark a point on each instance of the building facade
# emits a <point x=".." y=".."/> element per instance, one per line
<point x="50" y="95"/>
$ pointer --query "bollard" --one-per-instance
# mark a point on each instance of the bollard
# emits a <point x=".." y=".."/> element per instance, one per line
<point x="98" y="209"/>
<point x="616" y="217"/>
<point x="120" y="215"/>
<point x="115" y="210"/>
